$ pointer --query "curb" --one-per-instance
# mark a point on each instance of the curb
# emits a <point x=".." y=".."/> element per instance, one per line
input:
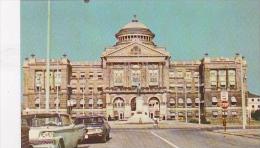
<point x="241" y="135"/>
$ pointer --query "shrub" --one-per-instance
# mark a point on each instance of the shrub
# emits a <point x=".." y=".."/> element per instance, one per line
<point x="256" y="114"/>
<point x="194" y="121"/>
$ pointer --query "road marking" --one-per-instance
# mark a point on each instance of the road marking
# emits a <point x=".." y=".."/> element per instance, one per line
<point x="165" y="140"/>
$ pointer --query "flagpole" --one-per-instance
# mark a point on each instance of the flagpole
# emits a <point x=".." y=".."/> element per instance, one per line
<point x="48" y="59"/>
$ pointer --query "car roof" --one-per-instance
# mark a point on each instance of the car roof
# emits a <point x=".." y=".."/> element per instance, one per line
<point x="92" y="116"/>
<point x="42" y="115"/>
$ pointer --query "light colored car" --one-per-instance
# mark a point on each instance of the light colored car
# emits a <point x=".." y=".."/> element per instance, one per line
<point x="54" y="130"/>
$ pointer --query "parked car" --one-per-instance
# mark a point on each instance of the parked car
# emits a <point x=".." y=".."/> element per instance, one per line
<point x="53" y="130"/>
<point x="97" y="127"/>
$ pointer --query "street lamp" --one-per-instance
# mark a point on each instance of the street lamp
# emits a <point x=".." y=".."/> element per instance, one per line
<point x="243" y="94"/>
<point x="48" y="58"/>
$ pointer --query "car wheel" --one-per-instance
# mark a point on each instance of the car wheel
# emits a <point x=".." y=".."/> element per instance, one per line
<point x="104" y="138"/>
<point x="61" y="144"/>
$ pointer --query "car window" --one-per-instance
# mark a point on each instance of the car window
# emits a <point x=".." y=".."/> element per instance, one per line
<point x="90" y="120"/>
<point x="65" y="120"/>
<point x="45" y="121"/>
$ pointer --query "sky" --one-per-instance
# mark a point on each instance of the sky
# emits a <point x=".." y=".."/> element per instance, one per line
<point x="186" y="28"/>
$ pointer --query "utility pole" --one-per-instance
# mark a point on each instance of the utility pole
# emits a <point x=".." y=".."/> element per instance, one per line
<point x="48" y="58"/>
<point x="243" y="95"/>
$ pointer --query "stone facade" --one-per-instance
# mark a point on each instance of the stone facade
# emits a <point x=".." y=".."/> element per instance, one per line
<point x="109" y="86"/>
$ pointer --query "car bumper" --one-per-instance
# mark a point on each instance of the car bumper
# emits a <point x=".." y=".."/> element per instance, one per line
<point x="93" y="135"/>
<point x="46" y="143"/>
<point x="45" y="146"/>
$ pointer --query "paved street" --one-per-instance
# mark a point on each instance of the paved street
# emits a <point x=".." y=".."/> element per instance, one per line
<point x="172" y="138"/>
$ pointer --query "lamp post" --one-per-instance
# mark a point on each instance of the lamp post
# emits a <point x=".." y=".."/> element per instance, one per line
<point x="48" y="59"/>
<point x="243" y="95"/>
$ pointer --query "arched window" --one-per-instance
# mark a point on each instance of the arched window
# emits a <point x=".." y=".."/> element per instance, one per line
<point x="214" y="101"/>
<point x="133" y="104"/>
<point x="180" y="102"/>
<point x="172" y="102"/>
<point x="154" y="103"/>
<point x="189" y="102"/>
<point x="233" y="101"/>
<point x="118" y="103"/>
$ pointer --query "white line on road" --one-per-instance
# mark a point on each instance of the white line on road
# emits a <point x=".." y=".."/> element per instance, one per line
<point x="165" y="140"/>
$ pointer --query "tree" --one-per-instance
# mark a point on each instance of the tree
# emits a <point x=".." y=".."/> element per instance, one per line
<point x="256" y="114"/>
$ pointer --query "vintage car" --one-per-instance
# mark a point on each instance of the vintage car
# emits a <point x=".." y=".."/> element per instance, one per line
<point x="97" y="127"/>
<point x="54" y="130"/>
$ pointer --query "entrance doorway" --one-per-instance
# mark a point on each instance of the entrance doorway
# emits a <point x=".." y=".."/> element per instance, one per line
<point x="151" y="115"/>
<point x="133" y="104"/>
<point x="121" y="116"/>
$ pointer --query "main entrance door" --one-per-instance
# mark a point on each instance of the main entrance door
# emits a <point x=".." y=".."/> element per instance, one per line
<point x="151" y="115"/>
<point x="121" y="116"/>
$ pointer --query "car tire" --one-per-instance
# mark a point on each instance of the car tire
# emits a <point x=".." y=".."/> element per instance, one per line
<point x="104" y="138"/>
<point x="61" y="144"/>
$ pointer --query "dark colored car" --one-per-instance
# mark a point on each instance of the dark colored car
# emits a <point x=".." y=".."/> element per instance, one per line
<point x="97" y="127"/>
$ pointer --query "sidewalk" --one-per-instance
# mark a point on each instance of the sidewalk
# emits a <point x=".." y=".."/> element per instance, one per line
<point x="162" y="125"/>
<point x="249" y="133"/>
<point x="174" y="125"/>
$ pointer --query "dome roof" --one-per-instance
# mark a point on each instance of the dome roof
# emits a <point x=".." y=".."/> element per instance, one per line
<point x="135" y="24"/>
<point x="134" y="31"/>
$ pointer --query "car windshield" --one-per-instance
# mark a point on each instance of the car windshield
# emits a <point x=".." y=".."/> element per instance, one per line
<point x="89" y="120"/>
<point x="45" y="121"/>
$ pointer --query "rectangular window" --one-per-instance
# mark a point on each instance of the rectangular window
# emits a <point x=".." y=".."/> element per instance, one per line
<point x="118" y="77"/>
<point x="222" y="78"/>
<point x="74" y="75"/>
<point x="57" y="78"/>
<point x="179" y="74"/>
<point x="100" y="76"/>
<point x="188" y="75"/>
<point x="100" y="89"/>
<point x="82" y="75"/>
<point x="213" y="78"/>
<point x="231" y="77"/>
<point x="171" y="74"/>
<point x="153" y="75"/>
<point x="38" y="78"/>
<point x="91" y="75"/>
<point x="74" y="91"/>
<point x="136" y="77"/>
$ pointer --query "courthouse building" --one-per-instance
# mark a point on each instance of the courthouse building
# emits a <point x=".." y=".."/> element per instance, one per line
<point x="170" y="88"/>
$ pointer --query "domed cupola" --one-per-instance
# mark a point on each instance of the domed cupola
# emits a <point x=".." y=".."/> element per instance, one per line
<point x="135" y="31"/>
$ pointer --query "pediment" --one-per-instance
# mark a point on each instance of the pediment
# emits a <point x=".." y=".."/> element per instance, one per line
<point x="137" y="50"/>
